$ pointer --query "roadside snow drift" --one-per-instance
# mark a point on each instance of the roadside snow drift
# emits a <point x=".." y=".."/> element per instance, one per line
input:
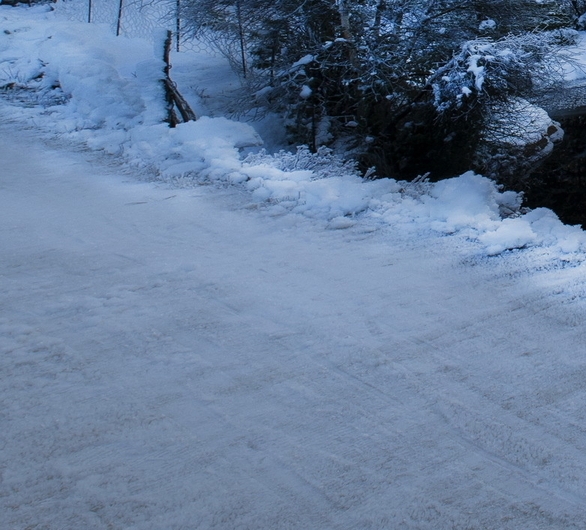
<point x="88" y="86"/>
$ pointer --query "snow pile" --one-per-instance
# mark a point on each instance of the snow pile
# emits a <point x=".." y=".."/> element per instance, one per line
<point x="531" y="124"/>
<point x="473" y="206"/>
<point x="91" y="87"/>
<point x="487" y="25"/>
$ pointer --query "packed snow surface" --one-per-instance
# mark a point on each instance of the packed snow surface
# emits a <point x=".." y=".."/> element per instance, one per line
<point x="192" y="338"/>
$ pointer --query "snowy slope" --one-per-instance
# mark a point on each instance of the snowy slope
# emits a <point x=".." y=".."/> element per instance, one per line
<point x="204" y="357"/>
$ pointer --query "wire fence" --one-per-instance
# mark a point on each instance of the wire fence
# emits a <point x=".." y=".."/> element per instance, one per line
<point x="137" y="19"/>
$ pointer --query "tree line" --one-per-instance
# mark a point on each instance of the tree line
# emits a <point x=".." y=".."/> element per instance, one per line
<point x="408" y="86"/>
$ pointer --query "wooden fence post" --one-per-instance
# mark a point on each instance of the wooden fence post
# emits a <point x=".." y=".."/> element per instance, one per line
<point x="172" y="96"/>
<point x="172" y="119"/>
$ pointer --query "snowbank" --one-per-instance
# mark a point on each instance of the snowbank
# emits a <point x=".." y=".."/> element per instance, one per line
<point x="91" y="87"/>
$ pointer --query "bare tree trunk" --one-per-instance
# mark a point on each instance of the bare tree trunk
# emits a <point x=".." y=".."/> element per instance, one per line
<point x="380" y="8"/>
<point x="241" y="37"/>
<point x="344" y="20"/>
<point x="346" y="33"/>
<point x="178" y="25"/>
<point x="119" y="21"/>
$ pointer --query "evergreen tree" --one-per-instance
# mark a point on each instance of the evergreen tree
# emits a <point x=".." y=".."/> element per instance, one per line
<point x="405" y="85"/>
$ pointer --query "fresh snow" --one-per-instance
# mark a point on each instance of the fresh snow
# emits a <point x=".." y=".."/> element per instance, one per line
<point x="194" y="338"/>
<point x="110" y="99"/>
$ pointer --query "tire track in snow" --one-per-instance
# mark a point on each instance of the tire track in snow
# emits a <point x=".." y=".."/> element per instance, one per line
<point x="245" y="374"/>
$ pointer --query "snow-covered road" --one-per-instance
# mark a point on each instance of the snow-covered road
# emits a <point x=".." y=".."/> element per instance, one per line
<point x="171" y="359"/>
